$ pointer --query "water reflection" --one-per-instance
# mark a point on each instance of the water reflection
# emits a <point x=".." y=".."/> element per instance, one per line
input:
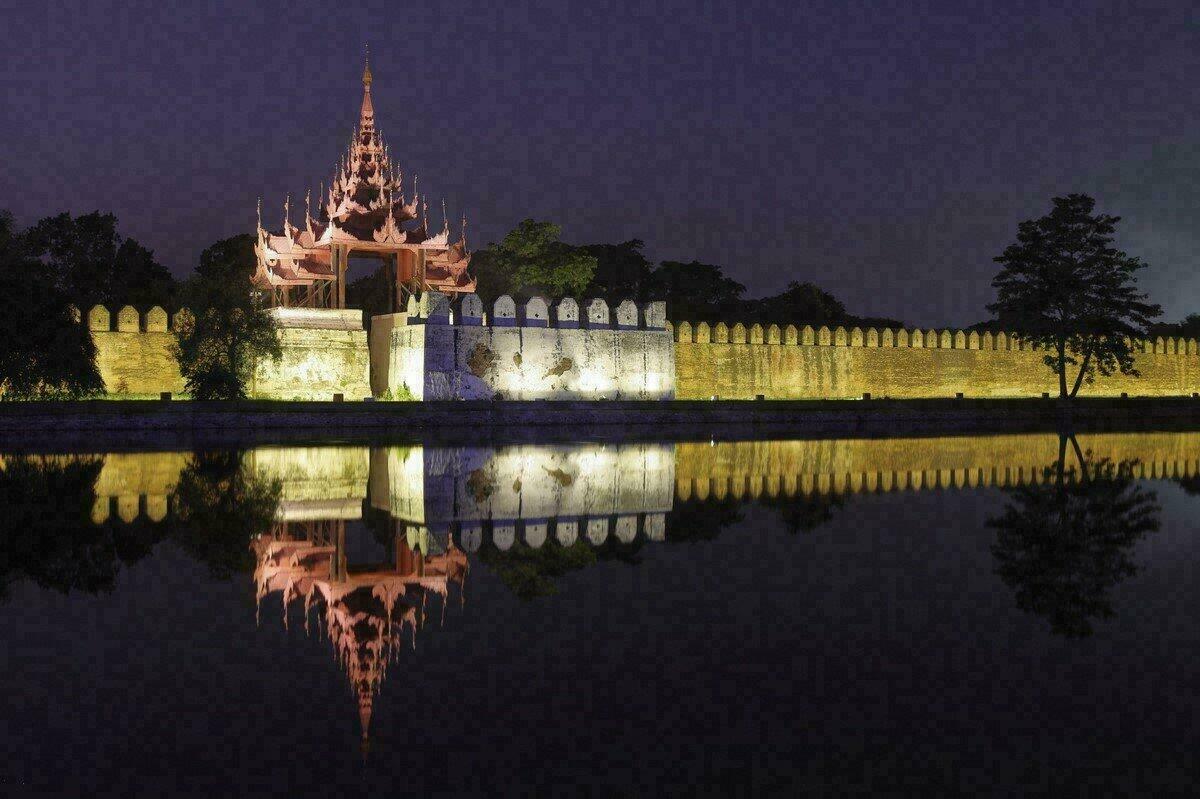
<point x="367" y="544"/>
<point x="1064" y="543"/>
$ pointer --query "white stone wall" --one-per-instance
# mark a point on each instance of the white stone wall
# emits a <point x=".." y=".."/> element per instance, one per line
<point x="535" y="355"/>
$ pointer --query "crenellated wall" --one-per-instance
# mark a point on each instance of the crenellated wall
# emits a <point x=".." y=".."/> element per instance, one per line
<point x="324" y="353"/>
<point x="537" y="353"/>
<point x="133" y="350"/>
<point x="740" y="363"/>
<point x="568" y="352"/>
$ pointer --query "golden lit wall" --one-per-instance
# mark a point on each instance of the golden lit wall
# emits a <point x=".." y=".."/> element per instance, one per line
<point x="135" y="359"/>
<point x="754" y="468"/>
<point x="736" y="363"/>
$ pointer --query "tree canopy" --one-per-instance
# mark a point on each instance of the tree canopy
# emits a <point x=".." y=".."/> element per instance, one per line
<point x="1069" y="291"/>
<point x="532" y="260"/>
<point x="96" y="265"/>
<point x="48" y="353"/>
<point x="233" y="329"/>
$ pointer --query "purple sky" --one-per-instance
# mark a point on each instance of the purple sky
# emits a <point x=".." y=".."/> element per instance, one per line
<point x="885" y="154"/>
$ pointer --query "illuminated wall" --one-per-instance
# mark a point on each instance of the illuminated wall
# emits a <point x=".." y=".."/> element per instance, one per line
<point x="324" y="353"/>
<point x="740" y="363"/>
<point x="135" y="358"/>
<point x="772" y="468"/>
<point x="528" y="356"/>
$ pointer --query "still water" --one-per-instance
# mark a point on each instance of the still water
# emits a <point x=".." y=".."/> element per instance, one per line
<point x="975" y="615"/>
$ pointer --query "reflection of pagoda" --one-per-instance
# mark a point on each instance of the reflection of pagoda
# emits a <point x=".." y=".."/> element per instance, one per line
<point x="364" y="212"/>
<point x="366" y="609"/>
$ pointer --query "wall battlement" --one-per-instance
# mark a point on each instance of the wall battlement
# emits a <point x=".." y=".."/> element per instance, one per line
<point x="134" y="350"/>
<point x="540" y="351"/>
<point x="806" y="363"/>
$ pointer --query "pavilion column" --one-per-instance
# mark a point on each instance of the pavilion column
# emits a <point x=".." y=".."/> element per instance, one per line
<point x="341" y="255"/>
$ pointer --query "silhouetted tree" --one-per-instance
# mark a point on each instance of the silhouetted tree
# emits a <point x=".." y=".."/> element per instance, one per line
<point x="1066" y="288"/>
<point x="799" y="304"/>
<point x="47" y="352"/>
<point x="1062" y="545"/>
<point x="622" y="271"/>
<point x="233" y="329"/>
<point x="218" y="507"/>
<point x="1188" y="328"/>
<point x="96" y="265"/>
<point x="694" y="292"/>
<point x="531" y="260"/>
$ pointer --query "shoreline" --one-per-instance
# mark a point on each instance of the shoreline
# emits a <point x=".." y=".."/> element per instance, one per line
<point x="142" y="424"/>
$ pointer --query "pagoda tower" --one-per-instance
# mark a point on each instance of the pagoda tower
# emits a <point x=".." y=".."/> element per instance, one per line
<point x="364" y="212"/>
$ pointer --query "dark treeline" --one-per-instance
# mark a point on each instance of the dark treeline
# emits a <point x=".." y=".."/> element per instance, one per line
<point x="532" y="259"/>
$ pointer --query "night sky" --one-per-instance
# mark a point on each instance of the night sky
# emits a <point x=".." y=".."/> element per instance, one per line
<point x="886" y="154"/>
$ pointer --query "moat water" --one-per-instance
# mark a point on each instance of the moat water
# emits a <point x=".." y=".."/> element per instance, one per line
<point x="986" y="615"/>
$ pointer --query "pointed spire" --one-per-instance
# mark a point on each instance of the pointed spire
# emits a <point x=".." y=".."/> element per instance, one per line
<point x="287" y="217"/>
<point x="367" y="120"/>
<point x="464" y="230"/>
<point x="445" y="220"/>
<point x="260" y="214"/>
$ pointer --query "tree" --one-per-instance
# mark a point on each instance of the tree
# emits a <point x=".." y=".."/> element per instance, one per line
<point x="219" y="506"/>
<point x="96" y="265"/>
<point x="1064" y="287"/>
<point x="622" y="271"/>
<point x="531" y="260"/>
<point x="694" y="291"/>
<point x="48" y="353"/>
<point x="1063" y="544"/>
<point x="233" y="329"/>
<point x="1188" y="328"/>
<point x="799" y="304"/>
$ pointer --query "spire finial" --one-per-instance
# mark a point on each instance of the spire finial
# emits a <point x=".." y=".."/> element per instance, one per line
<point x="260" y="214"/>
<point x="464" y="230"/>
<point x="367" y="68"/>
<point x="445" y="219"/>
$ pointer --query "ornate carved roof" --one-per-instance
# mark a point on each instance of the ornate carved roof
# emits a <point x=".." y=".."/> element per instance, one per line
<point x="365" y="207"/>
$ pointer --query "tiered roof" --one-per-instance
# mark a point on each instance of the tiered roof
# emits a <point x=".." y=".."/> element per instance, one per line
<point x="366" y="613"/>
<point x="366" y="209"/>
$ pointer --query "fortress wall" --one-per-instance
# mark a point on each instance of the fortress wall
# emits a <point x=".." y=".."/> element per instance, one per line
<point x="735" y="363"/>
<point x="325" y="352"/>
<point x="133" y="351"/>
<point x="572" y="353"/>
<point x="736" y="469"/>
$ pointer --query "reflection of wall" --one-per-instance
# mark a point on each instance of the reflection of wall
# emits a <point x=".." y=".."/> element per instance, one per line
<point x="786" y="467"/>
<point x="316" y="482"/>
<point x="740" y="364"/>
<point x="443" y="484"/>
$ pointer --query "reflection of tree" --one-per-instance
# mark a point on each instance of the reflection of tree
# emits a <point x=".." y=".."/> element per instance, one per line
<point x="701" y="519"/>
<point x="803" y="514"/>
<point x="219" y="507"/>
<point x="531" y="572"/>
<point x="46" y="532"/>
<point x="1063" y="544"/>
